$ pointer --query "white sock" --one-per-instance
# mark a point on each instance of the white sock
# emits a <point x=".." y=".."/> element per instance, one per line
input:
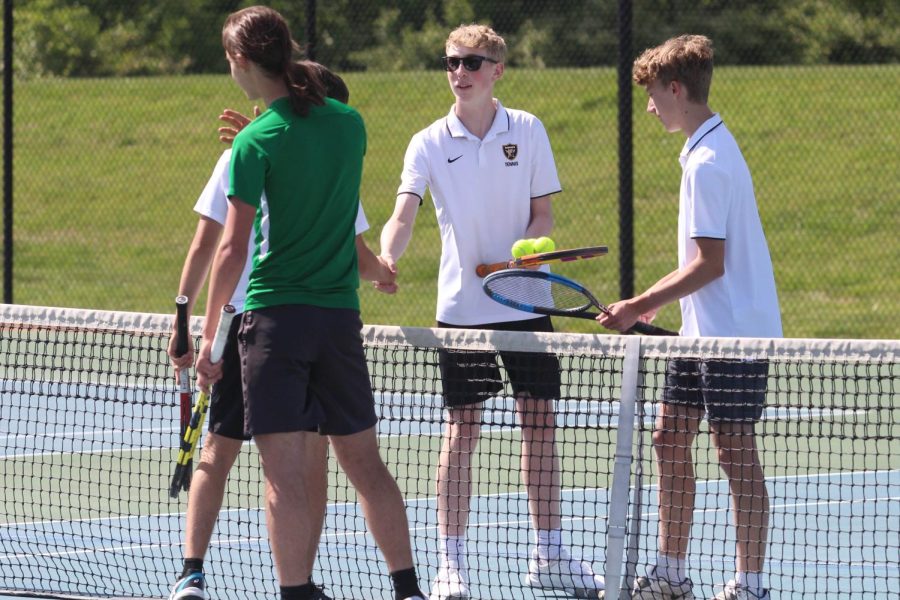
<point x="453" y="551"/>
<point x="549" y="543"/>
<point x="751" y="581"/>
<point x="670" y="568"/>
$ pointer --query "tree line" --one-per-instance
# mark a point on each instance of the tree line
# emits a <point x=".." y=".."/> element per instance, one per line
<point x="104" y="38"/>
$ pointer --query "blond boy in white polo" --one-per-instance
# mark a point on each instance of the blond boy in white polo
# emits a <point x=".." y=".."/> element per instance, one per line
<point x="491" y="174"/>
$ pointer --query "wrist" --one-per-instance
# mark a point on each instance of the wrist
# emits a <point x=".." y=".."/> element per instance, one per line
<point x="641" y="304"/>
<point x="205" y="336"/>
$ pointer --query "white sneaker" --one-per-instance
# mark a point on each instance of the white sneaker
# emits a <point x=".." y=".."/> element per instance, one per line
<point x="190" y="587"/>
<point x="732" y="591"/>
<point x="563" y="573"/>
<point x="450" y="584"/>
<point x="657" y="588"/>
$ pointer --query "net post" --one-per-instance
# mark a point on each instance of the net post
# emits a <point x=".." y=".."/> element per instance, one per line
<point x="634" y="534"/>
<point x="618" y="499"/>
<point x="626" y="151"/>
<point x="8" y="152"/>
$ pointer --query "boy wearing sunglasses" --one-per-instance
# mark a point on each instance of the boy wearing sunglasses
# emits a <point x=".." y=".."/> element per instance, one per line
<point x="491" y="174"/>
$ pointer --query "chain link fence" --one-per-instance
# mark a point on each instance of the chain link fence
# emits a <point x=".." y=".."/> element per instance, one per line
<point x="113" y="134"/>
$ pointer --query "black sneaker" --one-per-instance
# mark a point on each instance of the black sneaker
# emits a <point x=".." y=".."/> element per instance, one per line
<point x="320" y="594"/>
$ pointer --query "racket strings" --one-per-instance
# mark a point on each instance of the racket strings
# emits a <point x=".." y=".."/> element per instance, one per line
<point x="543" y="293"/>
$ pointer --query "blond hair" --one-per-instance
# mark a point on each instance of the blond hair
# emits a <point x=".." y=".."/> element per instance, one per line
<point x="687" y="59"/>
<point x="478" y="36"/>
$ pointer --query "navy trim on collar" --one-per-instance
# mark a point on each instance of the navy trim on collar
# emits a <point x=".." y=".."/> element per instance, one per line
<point x="710" y="130"/>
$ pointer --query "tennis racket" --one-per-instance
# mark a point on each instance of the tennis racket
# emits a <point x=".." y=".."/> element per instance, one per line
<point x="551" y="294"/>
<point x="530" y="260"/>
<point x="184" y="375"/>
<point x="181" y="479"/>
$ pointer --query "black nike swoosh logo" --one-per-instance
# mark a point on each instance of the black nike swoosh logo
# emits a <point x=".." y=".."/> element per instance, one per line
<point x="450" y="160"/>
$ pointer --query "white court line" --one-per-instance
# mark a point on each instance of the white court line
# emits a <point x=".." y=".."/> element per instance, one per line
<point x="797" y="476"/>
<point x="81" y="433"/>
<point x="353" y="534"/>
<point x="430" y="499"/>
<point x="246" y="541"/>
<point x="792" y="505"/>
<point x="781" y="414"/>
<point x="427" y="499"/>
<point x="256" y="540"/>
<point x="89" y="452"/>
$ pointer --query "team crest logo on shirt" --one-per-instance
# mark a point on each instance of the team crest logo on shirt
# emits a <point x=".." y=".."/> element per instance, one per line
<point x="510" y="151"/>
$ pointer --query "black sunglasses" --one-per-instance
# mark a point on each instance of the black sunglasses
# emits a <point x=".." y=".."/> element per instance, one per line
<point x="470" y="63"/>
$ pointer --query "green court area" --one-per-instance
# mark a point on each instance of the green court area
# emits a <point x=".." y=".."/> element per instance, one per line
<point x="794" y="440"/>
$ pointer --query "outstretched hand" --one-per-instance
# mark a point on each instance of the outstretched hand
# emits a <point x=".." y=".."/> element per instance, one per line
<point x="237" y="121"/>
<point x="387" y="280"/>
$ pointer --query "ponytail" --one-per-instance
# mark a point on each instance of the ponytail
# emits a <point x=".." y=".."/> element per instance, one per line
<point x="333" y="84"/>
<point x="305" y="87"/>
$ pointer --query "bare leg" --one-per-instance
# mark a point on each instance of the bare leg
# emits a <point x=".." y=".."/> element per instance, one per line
<point x="207" y="491"/>
<point x="739" y="459"/>
<point x="540" y="461"/>
<point x="317" y="492"/>
<point x="454" y="472"/>
<point x="676" y="428"/>
<point x="378" y="495"/>
<point x="292" y="463"/>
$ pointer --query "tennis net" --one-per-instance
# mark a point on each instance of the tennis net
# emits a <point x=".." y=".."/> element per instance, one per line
<point x="89" y="424"/>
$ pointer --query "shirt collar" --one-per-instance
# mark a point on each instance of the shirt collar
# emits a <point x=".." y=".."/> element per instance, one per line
<point x="707" y="126"/>
<point x="280" y="105"/>
<point x="500" y="124"/>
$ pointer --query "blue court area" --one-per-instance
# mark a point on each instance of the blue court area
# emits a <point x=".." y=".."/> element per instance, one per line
<point x="86" y="508"/>
<point x="61" y="538"/>
<point x="837" y="533"/>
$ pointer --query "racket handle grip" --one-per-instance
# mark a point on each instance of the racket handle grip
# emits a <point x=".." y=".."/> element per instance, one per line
<point x="187" y="476"/>
<point x="485" y="270"/>
<point x="221" y="336"/>
<point x="176" y="485"/>
<point x="648" y="329"/>
<point x="181" y="325"/>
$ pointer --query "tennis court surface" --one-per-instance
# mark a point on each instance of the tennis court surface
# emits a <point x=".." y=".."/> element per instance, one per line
<point x="89" y="425"/>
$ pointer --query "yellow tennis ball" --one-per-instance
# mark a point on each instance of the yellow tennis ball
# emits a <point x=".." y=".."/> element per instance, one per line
<point x="522" y="247"/>
<point x="544" y="244"/>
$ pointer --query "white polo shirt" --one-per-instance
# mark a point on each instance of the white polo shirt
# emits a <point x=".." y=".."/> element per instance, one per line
<point x="482" y="192"/>
<point x="717" y="201"/>
<point x="213" y="204"/>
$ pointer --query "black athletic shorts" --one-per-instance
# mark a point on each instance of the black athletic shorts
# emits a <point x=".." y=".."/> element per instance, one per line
<point x="226" y="400"/>
<point x="729" y="390"/>
<point x="304" y="369"/>
<point x="471" y="377"/>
